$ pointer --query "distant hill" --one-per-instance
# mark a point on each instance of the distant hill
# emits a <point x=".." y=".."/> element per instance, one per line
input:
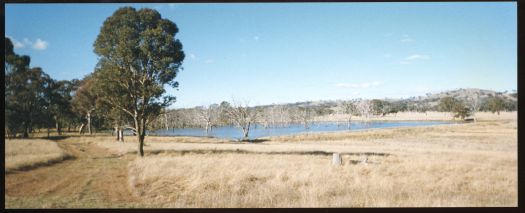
<point x="431" y="100"/>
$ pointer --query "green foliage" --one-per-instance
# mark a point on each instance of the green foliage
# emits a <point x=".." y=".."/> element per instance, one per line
<point x="446" y="104"/>
<point x="495" y="104"/>
<point x="139" y="54"/>
<point x="27" y="94"/>
<point x="459" y="108"/>
<point x="380" y="107"/>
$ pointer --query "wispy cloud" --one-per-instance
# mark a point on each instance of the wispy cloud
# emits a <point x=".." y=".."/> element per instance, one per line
<point x="40" y="44"/>
<point x="361" y="85"/>
<point x="256" y="38"/>
<point x="417" y="57"/>
<point x="16" y="43"/>
<point x="407" y="38"/>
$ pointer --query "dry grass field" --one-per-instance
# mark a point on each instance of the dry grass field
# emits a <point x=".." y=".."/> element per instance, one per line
<point x="472" y="164"/>
<point x="453" y="165"/>
<point x="24" y="154"/>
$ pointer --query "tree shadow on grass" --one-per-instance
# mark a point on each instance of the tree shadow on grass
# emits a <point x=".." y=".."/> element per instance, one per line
<point x="255" y="140"/>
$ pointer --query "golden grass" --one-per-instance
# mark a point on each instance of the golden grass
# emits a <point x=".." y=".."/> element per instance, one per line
<point x="27" y="153"/>
<point x="471" y="164"/>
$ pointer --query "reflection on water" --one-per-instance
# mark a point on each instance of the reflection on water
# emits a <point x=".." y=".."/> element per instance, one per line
<point x="257" y="131"/>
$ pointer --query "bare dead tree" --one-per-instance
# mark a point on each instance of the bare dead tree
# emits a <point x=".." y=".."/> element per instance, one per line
<point x="208" y="115"/>
<point x="305" y="116"/>
<point x="475" y="104"/>
<point x="242" y="116"/>
<point x="349" y="109"/>
<point x="364" y="107"/>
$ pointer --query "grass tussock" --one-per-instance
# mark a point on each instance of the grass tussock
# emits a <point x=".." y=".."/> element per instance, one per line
<point x="28" y="153"/>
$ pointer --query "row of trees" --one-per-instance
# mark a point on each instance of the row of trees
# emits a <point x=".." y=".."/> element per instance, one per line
<point x="138" y="55"/>
<point x="244" y="117"/>
<point x="33" y="100"/>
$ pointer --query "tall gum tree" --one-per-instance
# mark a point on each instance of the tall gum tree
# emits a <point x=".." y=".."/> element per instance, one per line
<point x="138" y="56"/>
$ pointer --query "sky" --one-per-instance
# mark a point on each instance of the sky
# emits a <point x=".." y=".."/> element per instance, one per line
<point x="289" y="52"/>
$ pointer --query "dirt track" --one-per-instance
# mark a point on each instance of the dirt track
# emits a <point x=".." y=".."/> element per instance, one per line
<point x="94" y="178"/>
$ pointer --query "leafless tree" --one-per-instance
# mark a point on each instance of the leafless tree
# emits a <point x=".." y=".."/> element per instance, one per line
<point x="475" y="104"/>
<point x="304" y="115"/>
<point x="242" y="116"/>
<point x="364" y="107"/>
<point x="349" y="109"/>
<point x="208" y="115"/>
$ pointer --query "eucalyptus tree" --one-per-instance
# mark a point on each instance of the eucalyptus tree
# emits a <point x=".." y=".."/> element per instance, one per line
<point x="60" y="109"/>
<point x="25" y="100"/>
<point x="495" y="104"/>
<point x="138" y="56"/>
<point x="84" y="102"/>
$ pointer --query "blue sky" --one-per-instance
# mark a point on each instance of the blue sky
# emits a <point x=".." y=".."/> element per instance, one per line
<point x="278" y="53"/>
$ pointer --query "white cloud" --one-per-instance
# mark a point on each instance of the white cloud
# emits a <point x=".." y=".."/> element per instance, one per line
<point x="361" y="85"/>
<point x="16" y="43"/>
<point x="417" y="57"/>
<point x="40" y="44"/>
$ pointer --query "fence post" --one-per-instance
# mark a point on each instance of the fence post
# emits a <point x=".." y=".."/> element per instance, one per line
<point x="336" y="159"/>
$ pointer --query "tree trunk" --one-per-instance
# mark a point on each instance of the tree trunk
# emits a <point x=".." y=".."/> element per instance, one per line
<point x="121" y="135"/>
<point x="89" y="122"/>
<point x="57" y="126"/>
<point x="115" y="132"/>
<point x="246" y="131"/>
<point x="140" y="133"/>
<point x="141" y="145"/>
<point x="166" y="121"/>
<point x="81" y="129"/>
<point x="26" y="132"/>
<point x="48" y="131"/>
